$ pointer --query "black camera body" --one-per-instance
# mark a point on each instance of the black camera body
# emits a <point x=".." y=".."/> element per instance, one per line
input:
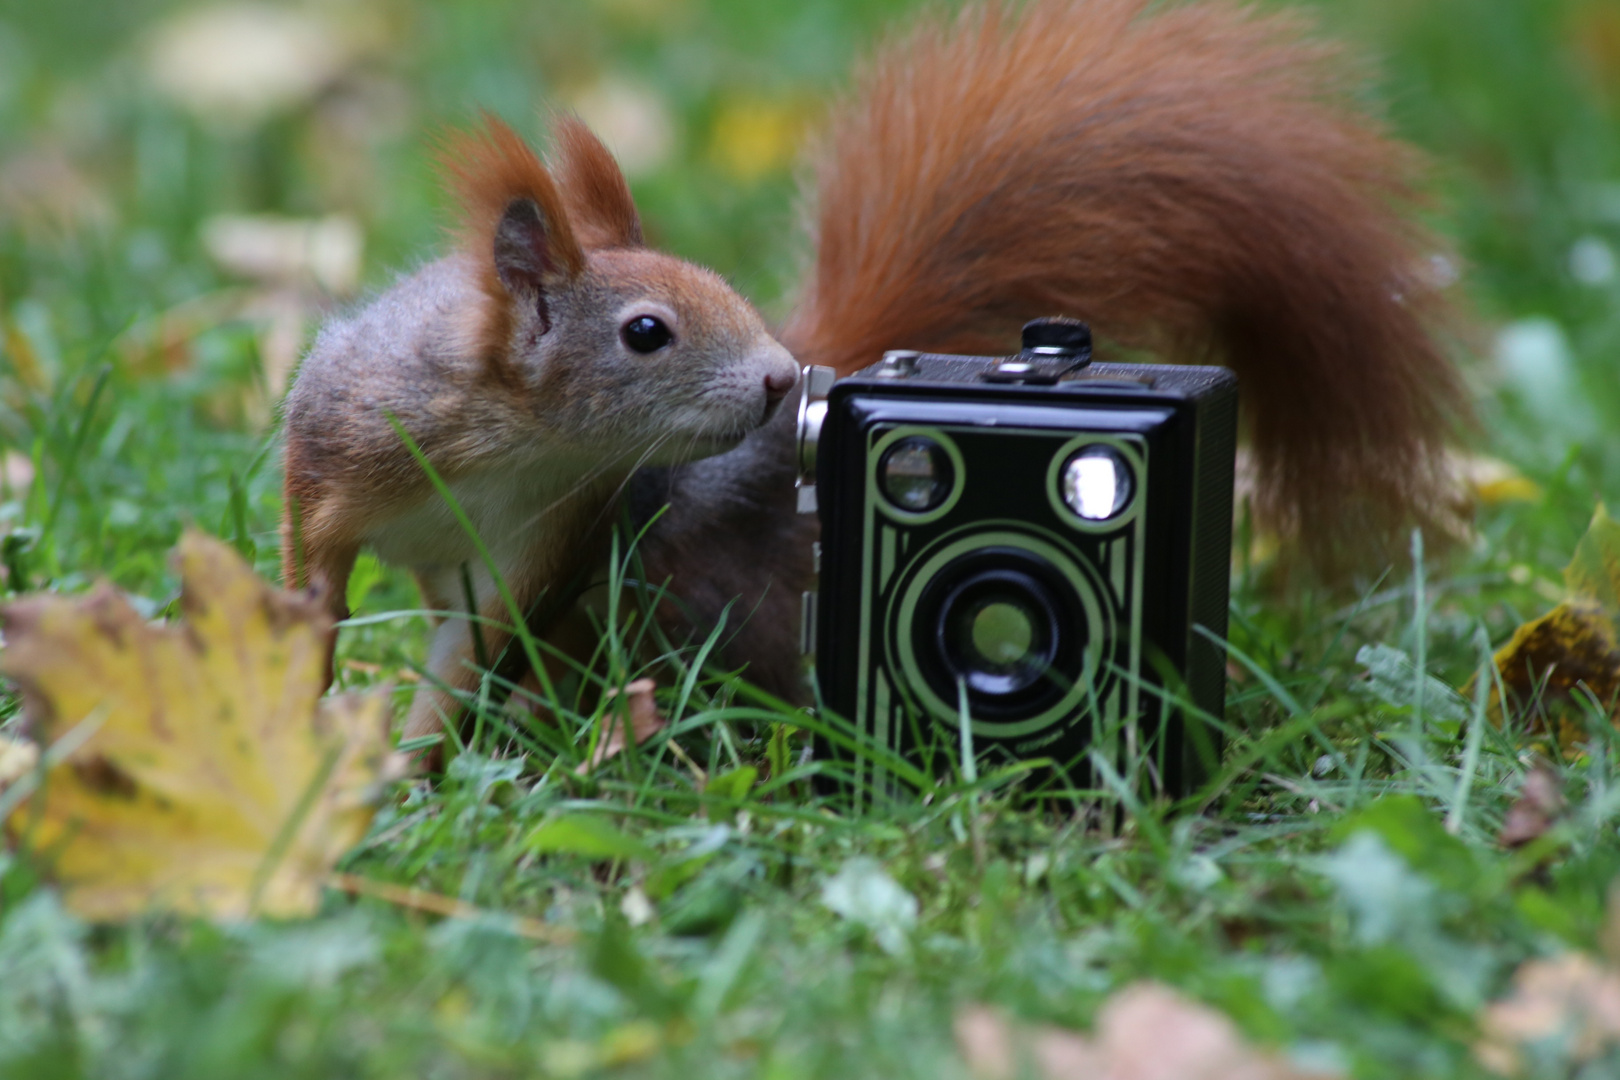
<point x="1026" y="544"/>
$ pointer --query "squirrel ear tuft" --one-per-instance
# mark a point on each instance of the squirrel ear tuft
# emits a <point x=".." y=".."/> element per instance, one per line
<point x="514" y="220"/>
<point x="593" y="187"/>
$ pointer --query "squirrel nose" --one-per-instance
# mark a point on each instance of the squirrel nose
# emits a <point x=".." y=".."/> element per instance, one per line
<point x="778" y="382"/>
<point x="780" y="376"/>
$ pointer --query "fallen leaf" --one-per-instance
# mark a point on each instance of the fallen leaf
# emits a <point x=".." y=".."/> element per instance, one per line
<point x="995" y="1049"/>
<point x="632" y="119"/>
<point x="284" y="250"/>
<point x="1552" y="663"/>
<point x="1593" y="572"/>
<point x="1570" y="998"/>
<point x="1491" y="481"/>
<point x="238" y="63"/>
<point x="1144" y="1032"/>
<point x="17" y="759"/>
<point x="864" y="893"/>
<point x="645" y="722"/>
<point x="751" y="139"/>
<point x="1540" y="802"/>
<point x="217" y="781"/>
<point x="27" y="365"/>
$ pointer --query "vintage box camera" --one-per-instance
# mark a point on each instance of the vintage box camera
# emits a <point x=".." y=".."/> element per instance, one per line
<point x="1031" y="538"/>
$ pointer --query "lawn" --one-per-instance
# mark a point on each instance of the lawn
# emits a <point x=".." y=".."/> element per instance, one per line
<point x="1340" y="890"/>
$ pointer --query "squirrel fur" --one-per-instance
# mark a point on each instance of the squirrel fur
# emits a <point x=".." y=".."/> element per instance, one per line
<point x="1195" y="181"/>
<point x="512" y="364"/>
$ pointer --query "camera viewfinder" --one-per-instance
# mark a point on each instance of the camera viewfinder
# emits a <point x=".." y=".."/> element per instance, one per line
<point x="916" y="474"/>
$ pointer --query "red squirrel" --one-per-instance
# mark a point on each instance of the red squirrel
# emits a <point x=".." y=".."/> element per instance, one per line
<point x="1196" y="181"/>
<point x="534" y="367"/>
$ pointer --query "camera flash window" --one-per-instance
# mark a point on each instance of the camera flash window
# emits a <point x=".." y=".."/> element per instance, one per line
<point x="916" y="474"/>
<point x="1096" y="482"/>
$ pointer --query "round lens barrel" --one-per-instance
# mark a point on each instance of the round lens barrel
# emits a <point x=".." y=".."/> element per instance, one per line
<point x="1002" y="621"/>
<point x="915" y="474"/>
<point x="998" y="630"/>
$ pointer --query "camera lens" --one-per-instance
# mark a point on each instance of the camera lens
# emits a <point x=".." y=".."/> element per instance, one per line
<point x="997" y="630"/>
<point x="1001" y="633"/>
<point x="1005" y="622"/>
<point x="1008" y="616"/>
<point x="1096" y="482"/>
<point x="915" y="474"/>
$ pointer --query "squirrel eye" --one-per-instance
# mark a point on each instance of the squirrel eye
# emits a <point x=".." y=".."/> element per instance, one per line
<point x="645" y="334"/>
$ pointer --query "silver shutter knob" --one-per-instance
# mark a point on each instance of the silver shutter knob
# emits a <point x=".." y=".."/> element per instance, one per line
<point x="818" y="383"/>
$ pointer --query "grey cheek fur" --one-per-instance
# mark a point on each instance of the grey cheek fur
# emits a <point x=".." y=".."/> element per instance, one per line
<point x="379" y="361"/>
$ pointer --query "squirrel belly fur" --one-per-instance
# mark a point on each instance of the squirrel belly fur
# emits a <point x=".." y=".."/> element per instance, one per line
<point x="1195" y="181"/>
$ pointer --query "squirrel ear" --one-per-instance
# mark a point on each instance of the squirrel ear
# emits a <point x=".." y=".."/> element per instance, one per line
<point x="526" y="255"/>
<point x="515" y="226"/>
<point x="593" y="187"/>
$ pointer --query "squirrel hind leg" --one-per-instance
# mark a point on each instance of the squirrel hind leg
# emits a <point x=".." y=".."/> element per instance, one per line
<point x="322" y="565"/>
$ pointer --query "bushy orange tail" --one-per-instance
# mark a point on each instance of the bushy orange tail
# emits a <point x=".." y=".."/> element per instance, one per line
<point x="1195" y="181"/>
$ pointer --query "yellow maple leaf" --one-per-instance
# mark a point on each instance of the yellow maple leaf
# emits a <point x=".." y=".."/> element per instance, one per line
<point x="213" y="779"/>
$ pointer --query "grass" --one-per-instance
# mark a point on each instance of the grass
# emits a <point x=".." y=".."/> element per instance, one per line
<point x="1338" y="890"/>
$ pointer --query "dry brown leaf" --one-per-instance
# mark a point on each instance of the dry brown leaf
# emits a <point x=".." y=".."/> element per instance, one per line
<point x="645" y="722"/>
<point x="1571" y="997"/>
<point x="1540" y="802"/>
<point x="1552" y="663"/>
<point x="1144" y="1032"/>
<point x="214" y="780"/>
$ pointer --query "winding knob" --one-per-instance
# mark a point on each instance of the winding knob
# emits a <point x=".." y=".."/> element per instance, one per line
<point x="1057" y="336"/>
<point x="818" y="382"/>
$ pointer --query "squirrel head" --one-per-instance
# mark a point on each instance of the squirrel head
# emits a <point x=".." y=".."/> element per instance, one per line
<point x="603" y="338"/>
